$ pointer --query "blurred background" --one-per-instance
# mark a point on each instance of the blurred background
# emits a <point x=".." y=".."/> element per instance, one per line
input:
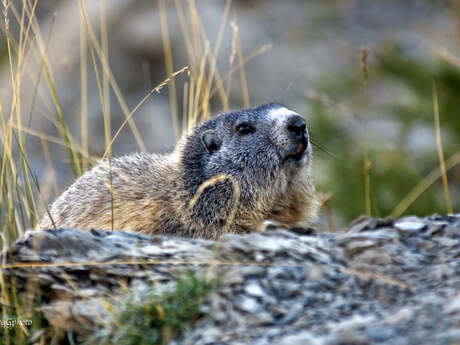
<point x="369" y="77"/>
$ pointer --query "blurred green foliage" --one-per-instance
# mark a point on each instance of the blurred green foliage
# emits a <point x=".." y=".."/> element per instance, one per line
<point x="402" y="146"/>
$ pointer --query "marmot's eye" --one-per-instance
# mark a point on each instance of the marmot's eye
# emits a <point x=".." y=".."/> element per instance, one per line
<point x="244" y="129"/>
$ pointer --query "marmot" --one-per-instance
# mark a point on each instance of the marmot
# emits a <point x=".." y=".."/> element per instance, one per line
<point x="228" y="174"/>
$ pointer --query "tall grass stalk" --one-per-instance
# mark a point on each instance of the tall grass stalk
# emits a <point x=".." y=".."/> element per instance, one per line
<point x="213" y="72"/>
<point x="131" y="113"/>
<point x="241" y="64"/>
<point x="169" y="64"/>
<point x="442" y="164"/>
<point x="107" y="70"/>
<point x="84" y="92"/>
<point x="424" y="184"/>
<point x="105" y="80"/>
<point x="366" y="162"/>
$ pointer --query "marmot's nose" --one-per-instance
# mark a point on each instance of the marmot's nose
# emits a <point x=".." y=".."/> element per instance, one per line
<point x="297" y="125"/>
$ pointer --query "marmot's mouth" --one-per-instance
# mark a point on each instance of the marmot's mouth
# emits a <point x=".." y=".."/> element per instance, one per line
<point x="300" y="153"/>
<point x="301" y="149"/>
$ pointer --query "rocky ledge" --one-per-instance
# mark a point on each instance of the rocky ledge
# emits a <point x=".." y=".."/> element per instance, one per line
<point x="381" y="281"/>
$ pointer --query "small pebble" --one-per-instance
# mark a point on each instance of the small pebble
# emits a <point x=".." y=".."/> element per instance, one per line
<point x="410" y="225"/>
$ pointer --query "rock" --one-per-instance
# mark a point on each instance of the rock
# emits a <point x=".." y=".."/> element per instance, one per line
<point x="410" y="224"/>
<point x="453" y="306"/>
<point x="298" y="339"/>
<point x="254" y="289"/>
<point x="384" y="281"/>
<point x="247" y="304"/>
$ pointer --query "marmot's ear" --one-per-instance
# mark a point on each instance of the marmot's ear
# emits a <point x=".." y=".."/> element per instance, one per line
<point x="210" y="141"/>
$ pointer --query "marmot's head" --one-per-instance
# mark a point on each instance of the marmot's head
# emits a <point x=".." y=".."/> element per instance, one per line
<point x="262" y="148"/>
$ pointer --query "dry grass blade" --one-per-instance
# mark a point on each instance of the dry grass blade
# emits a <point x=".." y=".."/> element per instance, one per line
<point x="84" y="92"/>
<point x="108" y="72"/>
<point x="195" y="30"/>
<point x="423" y="185"/>
<point x="366" y="275"/>
<point x="155" y="89"/>
<point x="36" y="88"/>
<point x="246" y="60"/>
<point x="213" y="71"/>
<point x="366" y="163"/>
<point x="241" y="65"/>
<point x="105" y="80"/>
<point x="105" y="115"/>
<point x="200" y="82"/>
<point x="50" y="164"/>
<point x="187" y="38"/>
<point x="19" y="209"/>
<point x="63" y="128"/>
<point x="442" y="164"/>
<point x="169" y="66"/>
<point x="103" y="93"/>
<point x="449" y="57"/>
<point x="54" y="140"/>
